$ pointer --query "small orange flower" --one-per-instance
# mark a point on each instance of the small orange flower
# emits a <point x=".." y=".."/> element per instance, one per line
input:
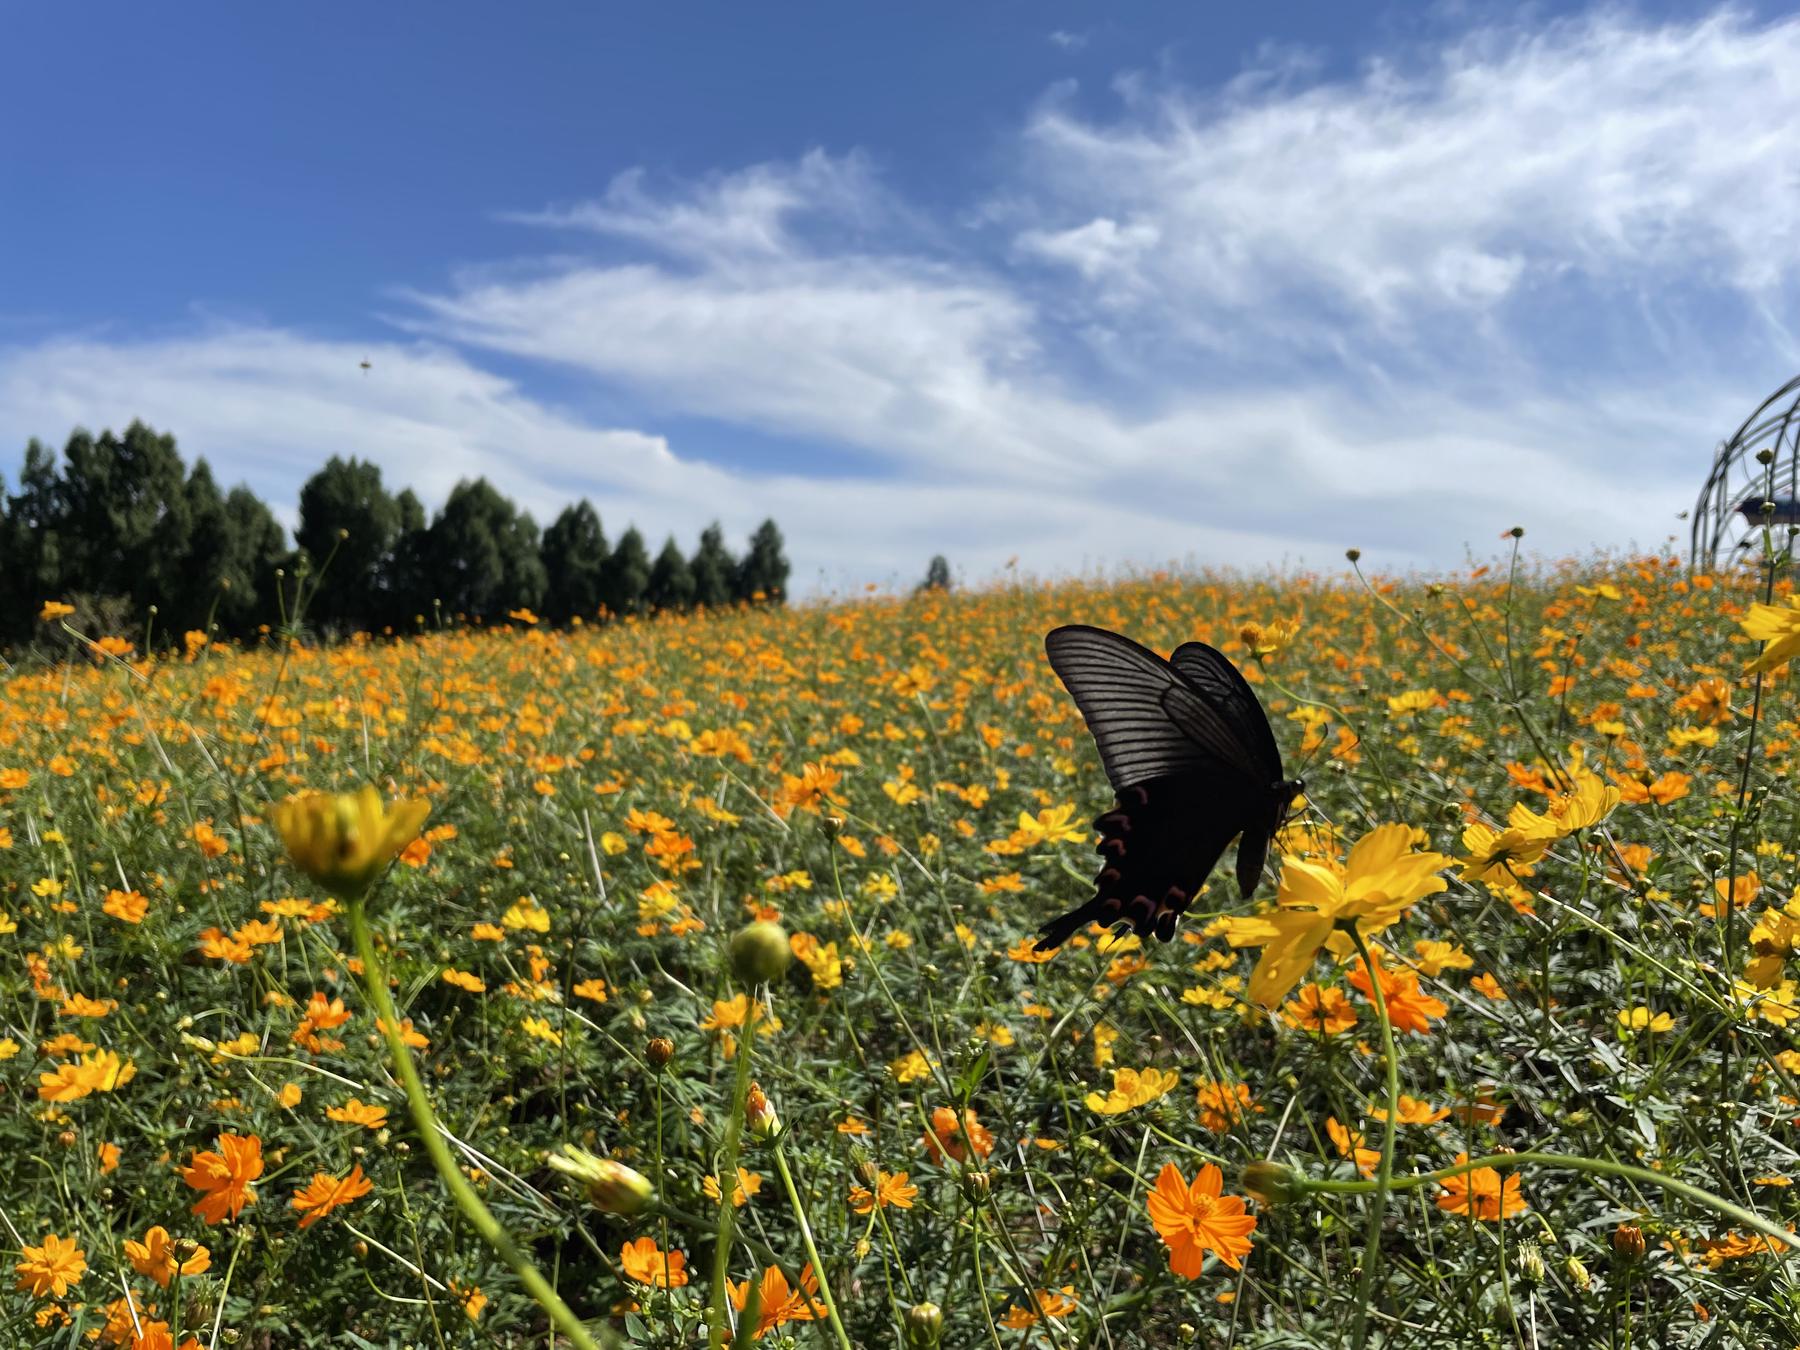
<point x="780" y="1302"/>
<point x="1482" y="1194"/>
<point x="357" y="1112"/>
<point x="1193" y="1218"/>
<point x="53" y="1269"/>
<point x="154" y="1257"/>
<point x="225" y="1176"/>
<point x="325" y="1193"/>
<point x="891" y="1188"/>
<point x="644" y="1263"/>
<point x="946" y="1136"/>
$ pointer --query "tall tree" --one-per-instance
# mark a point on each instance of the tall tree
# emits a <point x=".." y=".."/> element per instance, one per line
<point x="713" y="568"/>
<point x="627" y="574"/>
<point x="763" y="575"/>
<point x="348" y="524"/>
<point x="125" y="515"/>
<point x="258" y="548"/>
<point x="937" y="574"/>
<point x="405" y="591"/>
<point x="671" y="583"/>
<point x="483" y="553"/>
<point x="574" y="554"/>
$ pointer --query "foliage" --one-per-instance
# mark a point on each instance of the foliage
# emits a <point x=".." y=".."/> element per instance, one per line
<point x="123" y="532"/>
<point x="965" y="1123"/>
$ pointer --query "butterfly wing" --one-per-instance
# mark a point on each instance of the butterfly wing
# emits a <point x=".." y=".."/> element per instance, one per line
<point x="1147" y="720"/>
<point x="1158" y="845"/>
<point x="1211" y="673"/>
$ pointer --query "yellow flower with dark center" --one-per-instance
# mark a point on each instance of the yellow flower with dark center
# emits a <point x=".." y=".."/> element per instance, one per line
<point x="343" y="840"/>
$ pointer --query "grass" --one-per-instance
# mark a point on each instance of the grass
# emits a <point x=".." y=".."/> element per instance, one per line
<point x="1600" y="1032"/>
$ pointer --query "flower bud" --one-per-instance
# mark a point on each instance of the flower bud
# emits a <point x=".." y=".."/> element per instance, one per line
<point x="760" y="953"/>
<point x="1353" y="555"/>
<point x="759" y="1115"/>
<point x="1531" y="1262"/>
<point x="611" y="1186"/>
<point x="660" y="1051"/>
<point x="976" y="1186"/>
<point x="924" y="1326"/>
<point x="1272" y="1183"/>
<point x="1578" y="1273"/>
<point x="1628" y="1242"/>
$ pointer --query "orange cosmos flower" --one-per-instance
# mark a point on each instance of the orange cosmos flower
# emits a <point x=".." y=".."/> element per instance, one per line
<point x="946" y="1136"/>
<point x="325" y="1193"/>
<point x="780" y="1302"/>
<point x="1193" y="1218"/>
<point x="357" y="1112"/>
<point x="891" y="1188"/>
<point x="644" y="1263"/>
<point x="224" y="1175"/>
<point x="53" y="1269"/>
<point x="1482" y="1194"/>
<point x="154" y="1257"/>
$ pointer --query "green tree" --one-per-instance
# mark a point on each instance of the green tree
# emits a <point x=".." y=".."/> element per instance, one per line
<point x="574" y="555"/>
<point x="258" y="549"/>
<point x="937" y="574"/>
<point x="626" y="576"/>
<point x="125" y="516"/>
<point x="482" y="553"/>
<point x="713" y="568"/>
<point x="671" y="583"/>
<point x="763" y="574"/>
<point x="34" y="564"/>
<point x="348" y="526"/>
<point x="406" y="593"/>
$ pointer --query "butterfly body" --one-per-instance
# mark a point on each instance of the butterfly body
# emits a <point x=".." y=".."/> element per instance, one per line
<point x="1193" y="763"/>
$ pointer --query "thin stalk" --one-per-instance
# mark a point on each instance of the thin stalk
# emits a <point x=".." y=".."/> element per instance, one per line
<point x="806" y="1240"/>
<point x="1384" y="1174"/>
<point x="425" y="1122"/>
<point x="717" y="1320"/>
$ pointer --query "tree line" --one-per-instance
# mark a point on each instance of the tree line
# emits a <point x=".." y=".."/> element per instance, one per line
<point x="119" y="524"/>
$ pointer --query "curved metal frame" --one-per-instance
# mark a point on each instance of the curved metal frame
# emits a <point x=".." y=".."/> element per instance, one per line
<point x="1736" y="476"/>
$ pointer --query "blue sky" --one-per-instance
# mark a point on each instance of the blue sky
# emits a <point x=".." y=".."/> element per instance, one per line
<point x="1073" y="283"/>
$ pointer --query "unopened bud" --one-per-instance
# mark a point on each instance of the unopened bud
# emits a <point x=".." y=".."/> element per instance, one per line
<point x="1517" y="532"/>
<point x="660" y="1051"/>
<point x="1353" y="555"/>
<point x="1628" y="1242"/>
<point x="924" y="1326"/>
<point x="611" y="1186"/>
<point x="1531" y="1262"/>
<point x="976" y="1186"/>
<point x="760" y="953"/>
<point x="1578" y="1273"/>
<point x="759" y="1115"/>
<point x="1272" y="1183"/>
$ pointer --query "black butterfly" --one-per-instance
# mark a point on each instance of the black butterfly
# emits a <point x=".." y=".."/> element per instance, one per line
<point x="1194" y="764"/>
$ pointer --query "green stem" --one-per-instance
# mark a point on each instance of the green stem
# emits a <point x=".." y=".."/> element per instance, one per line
<point x="425" y="1122"/>
<point x="717" y="1319"/>
<point x="806" y="1239"/>
<point x="1384" y="1175"/>
<point x="1570" y="1162"/>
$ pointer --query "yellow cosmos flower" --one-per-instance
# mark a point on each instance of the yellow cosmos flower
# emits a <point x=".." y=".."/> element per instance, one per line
<point x="343" y="840"/>
<point x="1384" y="874"/>
<point x="1590" y="801"/>
<point x="1779" y="627"/>
<point x="1132" y="1087"/>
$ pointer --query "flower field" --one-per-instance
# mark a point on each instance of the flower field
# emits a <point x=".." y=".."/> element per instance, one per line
<point x="1500" y="1053"/>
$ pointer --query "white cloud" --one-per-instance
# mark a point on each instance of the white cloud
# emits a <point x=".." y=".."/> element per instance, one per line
<point x="1624" y="152"/>
<point x="1069" y="42"/>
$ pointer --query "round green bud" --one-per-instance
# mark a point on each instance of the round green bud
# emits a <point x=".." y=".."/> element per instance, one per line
<point x="760" y="953"/>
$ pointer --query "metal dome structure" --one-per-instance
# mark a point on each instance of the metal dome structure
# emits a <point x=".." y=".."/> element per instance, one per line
<point x="1729" y="515"/>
